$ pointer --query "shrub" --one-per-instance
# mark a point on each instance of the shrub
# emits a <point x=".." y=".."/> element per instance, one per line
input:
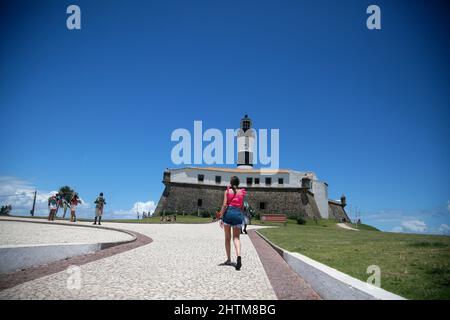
<point x="300" y="220"/>
<point x="205" y="214"/>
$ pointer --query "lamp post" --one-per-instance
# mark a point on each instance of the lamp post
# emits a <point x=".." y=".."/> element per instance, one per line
<point x="34" y="204"/>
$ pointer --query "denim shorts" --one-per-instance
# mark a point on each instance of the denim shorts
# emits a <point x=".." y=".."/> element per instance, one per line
<point x="233" y="217"/>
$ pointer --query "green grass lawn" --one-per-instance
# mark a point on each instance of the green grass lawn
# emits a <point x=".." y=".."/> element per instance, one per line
<point x="318" y="223"/>
<point x="413" y="266"/>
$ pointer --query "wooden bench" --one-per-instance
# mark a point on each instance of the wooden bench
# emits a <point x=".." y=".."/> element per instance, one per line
<point x="274" y="218"/>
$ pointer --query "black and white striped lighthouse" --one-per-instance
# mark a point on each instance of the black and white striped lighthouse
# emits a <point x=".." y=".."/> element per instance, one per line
<point x="245" y="144"/>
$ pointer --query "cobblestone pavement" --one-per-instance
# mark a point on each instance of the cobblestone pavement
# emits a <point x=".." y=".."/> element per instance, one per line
<point x="19" y="233"/>
<point x="182" y="262"/>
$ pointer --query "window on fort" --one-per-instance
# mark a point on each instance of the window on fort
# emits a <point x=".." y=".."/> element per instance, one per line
<point x="306" y="183"/>
<point x="199" y="202"/>
<point x="280" y="181"/>
<point x="249" y="181"/>
<point x="268" y="181"/>
<point x="262" y="205"/>
<point x="201" y="177"/>
<point x="218" y="179"/>
<point x="256" y="180"/>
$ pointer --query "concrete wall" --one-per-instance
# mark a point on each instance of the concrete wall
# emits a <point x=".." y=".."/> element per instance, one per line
<point x="14" y="258"/>
<point x="330" y="283"/>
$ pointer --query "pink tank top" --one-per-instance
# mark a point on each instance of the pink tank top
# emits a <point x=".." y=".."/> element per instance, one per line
<point x="238" y="200"/>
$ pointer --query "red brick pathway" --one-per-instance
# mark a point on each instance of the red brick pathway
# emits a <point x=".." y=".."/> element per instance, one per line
<point x="287" y="284"/>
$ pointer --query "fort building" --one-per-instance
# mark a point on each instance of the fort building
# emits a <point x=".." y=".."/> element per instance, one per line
<point x="198" y="190"/>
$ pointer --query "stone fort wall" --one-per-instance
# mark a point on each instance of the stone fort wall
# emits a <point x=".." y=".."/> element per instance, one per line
<point x="337" y="212"/>
<point x="184" y="198"/>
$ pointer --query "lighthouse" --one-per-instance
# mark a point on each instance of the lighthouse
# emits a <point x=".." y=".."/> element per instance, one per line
<point x="245" y="144"/>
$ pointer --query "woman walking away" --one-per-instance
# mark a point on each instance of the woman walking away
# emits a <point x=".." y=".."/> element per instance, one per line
<point x="232" y="217"/>
<point x="73" y="206"/>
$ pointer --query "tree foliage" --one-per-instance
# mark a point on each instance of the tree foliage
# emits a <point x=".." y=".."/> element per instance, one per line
<point x="5" y="210"/>
<point x="66" y="192"/>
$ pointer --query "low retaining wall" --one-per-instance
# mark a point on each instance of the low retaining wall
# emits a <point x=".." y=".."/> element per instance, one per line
<point x="330" y="283"/>
<point x="17" y="257"/>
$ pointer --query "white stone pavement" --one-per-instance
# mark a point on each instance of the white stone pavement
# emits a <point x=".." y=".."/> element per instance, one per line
<point x="345" y="226"/>
<point x="19" y="233"/>
<point x="182" y="262"/>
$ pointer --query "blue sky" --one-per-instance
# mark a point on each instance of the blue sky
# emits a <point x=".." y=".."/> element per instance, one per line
<point x="94" y="108"/>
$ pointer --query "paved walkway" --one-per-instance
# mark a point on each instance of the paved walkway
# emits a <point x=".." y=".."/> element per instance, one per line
<point x="19" y="233"/>
<point x="345" y="226"/>
<point x="182" y="262"/>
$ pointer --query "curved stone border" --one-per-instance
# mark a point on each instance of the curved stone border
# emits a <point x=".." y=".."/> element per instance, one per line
<point x="330" y="283"/>
<point x="107" y="249"/>
<point x="103" y="245"/>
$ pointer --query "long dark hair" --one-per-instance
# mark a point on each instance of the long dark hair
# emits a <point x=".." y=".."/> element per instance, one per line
<point x="234" y="182"/>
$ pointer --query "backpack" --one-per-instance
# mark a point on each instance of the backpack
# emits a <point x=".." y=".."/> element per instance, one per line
<point x="246" y="207"/>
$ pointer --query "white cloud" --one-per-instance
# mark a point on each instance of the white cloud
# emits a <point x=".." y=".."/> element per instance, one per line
<point x="444" y="229"/>
<point x="138" y="206"/>
<point x="20" y="193"/>
<point x="148" y="206"/>
<point x="414" y="226"/>
<point x="411" y="220"/>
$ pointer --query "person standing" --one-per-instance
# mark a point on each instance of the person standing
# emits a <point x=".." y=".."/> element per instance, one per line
<point x="73" y="206"/>
<point x="65" y="204"/>
<point x="99" y="204"/>
<point x="58" y="202"/>
<point x="52" y="206"/>
<point x="231" y="217"/>
<point x="247" y="217"/>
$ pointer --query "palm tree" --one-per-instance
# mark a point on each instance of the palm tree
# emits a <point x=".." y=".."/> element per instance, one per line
<point x="5" y="210"/>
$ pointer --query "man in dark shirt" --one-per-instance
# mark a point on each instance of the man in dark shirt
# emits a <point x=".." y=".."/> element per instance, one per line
<point x="99" y="204"/>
